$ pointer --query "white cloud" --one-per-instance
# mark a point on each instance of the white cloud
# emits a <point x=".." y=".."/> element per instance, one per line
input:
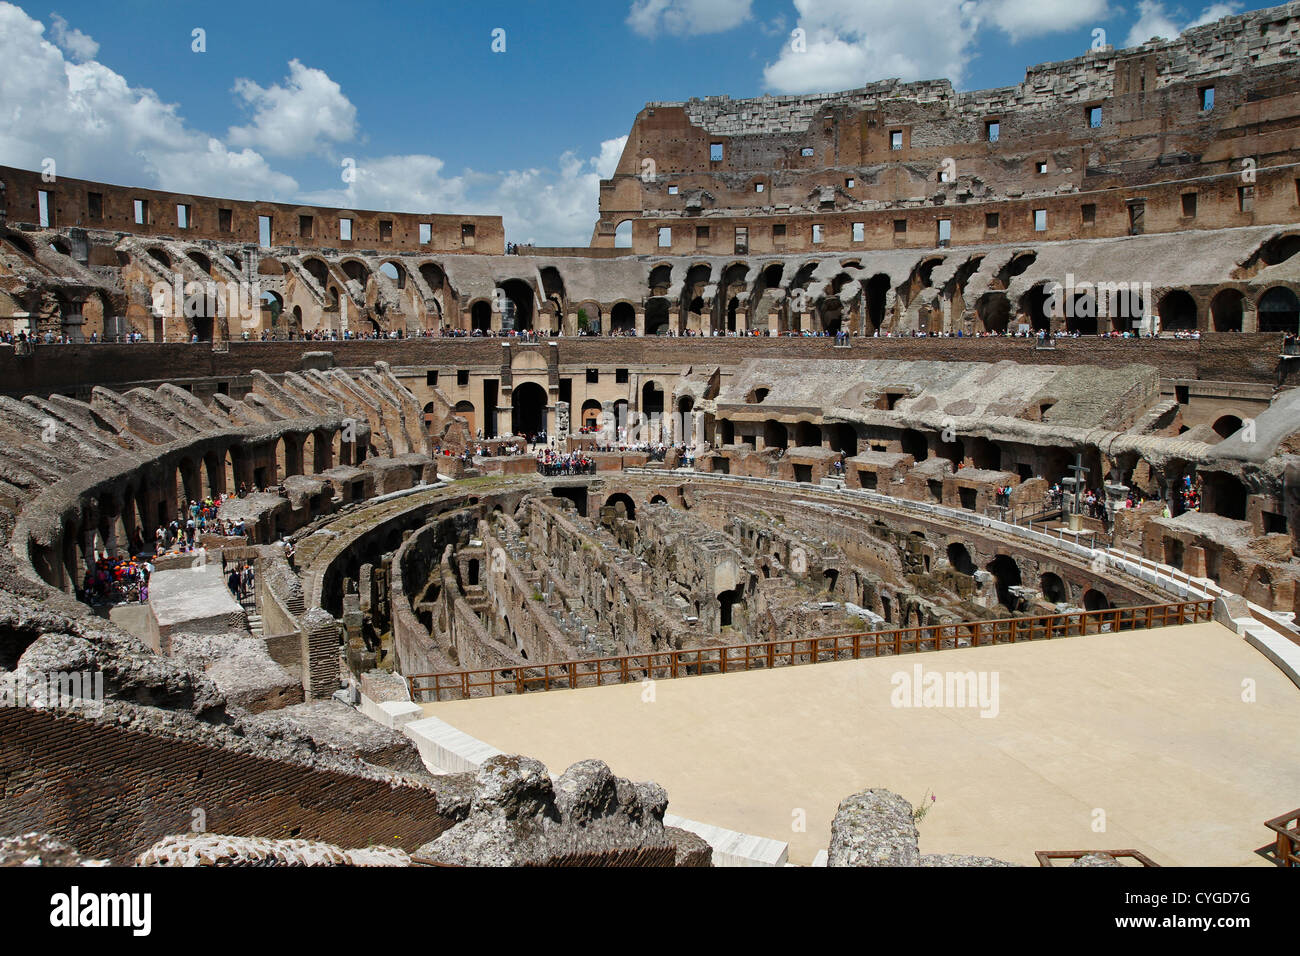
<point x="80" y="46"/>
<point x="302" y="116"/>
<point x="648" y="17"/>
<point x="546" y="206"/>
<point x="97" y="126"/>
<point x="849" y="43"/>
<point x="1155" y="21"/>
<point x="611" y="150"/>
<point x="1020" y="19"/>
<point x="84" y="113"/>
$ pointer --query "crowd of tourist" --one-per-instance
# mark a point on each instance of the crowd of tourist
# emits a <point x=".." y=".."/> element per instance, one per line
<point x="552" y="464"/>
<point x="239" y="578"/>
<point x="117" y="580"/>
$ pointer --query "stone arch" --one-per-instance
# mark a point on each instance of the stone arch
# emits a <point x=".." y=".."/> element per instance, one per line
<point x="1095" y="600"/>
<point x="1177" y="310"/>
<point x="626" y="501"/>
<point x="1006" y="575"/>
<point x="480" y="312"/>
<point x="1227" y="310"/>
<point x="1278" y="310"/>
<point x="993" y="309"/>
<point x="622" y="318"/>
<point x="1054" y="589"/>
<point x="529" y="405"/>
<point x="960" y="559"/>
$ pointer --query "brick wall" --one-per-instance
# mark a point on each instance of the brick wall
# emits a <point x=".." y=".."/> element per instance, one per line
<point x="112" y="792"/>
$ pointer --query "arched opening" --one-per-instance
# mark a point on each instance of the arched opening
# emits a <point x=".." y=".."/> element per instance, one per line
<point x="318" y="270"/>
<point x="466" y="411"/>
<point x="1006" y="574"/>
<point x="1081" y="314"/>
<point x="623" y="235"/>
<point x="1094" y="600"/>
<point x="480" y="317"/>
<point x="1177" y="312"/>
<point x="993" y="309"/>
<point x="623" y="505"/>
<point x="528" y="409"/>
<point x="1053" y="588"/>
<point x="518" y="305"/>
<point x="200" y="260"/>
<point x="1226" y="310"/>
<point x="160" y="256"/>
<point x="591" y="410"/>
<point x="960" y="558"/>
<point x="732" y="306"/>
<point x="1227" y="425"/>
<point x="622" y="318"/>
<point x="914" y="444"/>
<point x="844" y="438"/>
<point x="660" y="279"/>
<point x="878" y="293"/>
<point x="652" y="401"/>
<point x="727" y="602"/>
<point x="1279" y="311"/>
<point x="1034" y="308"/>
<point x="659" y="500"/>
<point x="656" y="316"/>
<point x="774" y="435"/>
<point x="807" y="435"/>
<point x="394" y="272"/>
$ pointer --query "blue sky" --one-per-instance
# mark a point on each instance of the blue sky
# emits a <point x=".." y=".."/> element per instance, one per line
<point x="435" y="121"/>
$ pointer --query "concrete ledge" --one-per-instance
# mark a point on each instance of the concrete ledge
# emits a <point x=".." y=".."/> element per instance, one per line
<point x="445" y="749"/>
<point x="390" y="713"/>
<point x="731" y="848"/>
<point x="1273" y="646"/>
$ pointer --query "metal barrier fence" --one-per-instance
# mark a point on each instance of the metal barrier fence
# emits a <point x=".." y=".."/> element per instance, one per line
<point x="664" y="665"/>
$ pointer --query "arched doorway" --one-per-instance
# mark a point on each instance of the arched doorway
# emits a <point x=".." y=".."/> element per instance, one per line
<point x="1279" y="311"/>
<point x="1226" y="310"/>
<point x="528" y="409"/>
<point x="519" y="305"/>
<point x="1177" y="312"/>
<point x="622" y="318"/>
<point x="480" y="317"/>
<point x="1006" y="573"/>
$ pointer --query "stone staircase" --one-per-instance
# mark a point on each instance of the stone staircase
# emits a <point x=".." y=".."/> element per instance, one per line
<point x="254" y="620"/>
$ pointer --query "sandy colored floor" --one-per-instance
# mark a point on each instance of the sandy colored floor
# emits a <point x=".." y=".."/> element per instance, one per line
<point x="1145" y="732"/>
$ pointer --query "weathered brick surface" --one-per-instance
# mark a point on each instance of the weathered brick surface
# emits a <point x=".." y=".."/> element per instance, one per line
<point x="115" y="792"/>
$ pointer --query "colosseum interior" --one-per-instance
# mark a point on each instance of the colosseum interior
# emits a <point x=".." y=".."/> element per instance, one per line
<point x="1007" y="377"/>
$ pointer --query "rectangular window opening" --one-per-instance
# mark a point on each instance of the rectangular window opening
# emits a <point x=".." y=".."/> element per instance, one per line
<point x="896" y="139"/>
<point x="1245" y="198"/>
<point x="182" y="216"/>
<point x="95" y="205"/>
<point x="426" y="233"/>
<point x="264" y="231"/>
<point x="715" y="152"/>
<point x="816" y="234"/>
<point x="345" y="230"/>
<point x="1189" y="205"/>
<point x="141" y="208"/>
<point x="1093" y="114"/>
<point x="1088" y="212"/>
<point x="225" y="220"/>
<point x="900" y="226"/>
<point x="859" y="231"/>
<point x="385" y="230"/>
<point x="992" y="129"/>
<point x="1040" y="220"/>
<point x="44" y="209"/>
<point x="1207" y="98"/>
<point x="665" y="237"/>
<point x="306" y="226"/>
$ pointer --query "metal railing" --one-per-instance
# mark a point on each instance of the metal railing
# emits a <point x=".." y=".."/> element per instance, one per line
<point x="667" y="665"/>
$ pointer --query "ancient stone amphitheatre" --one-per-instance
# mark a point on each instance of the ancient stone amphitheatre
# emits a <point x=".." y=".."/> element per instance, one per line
<point x="900" y="477"/>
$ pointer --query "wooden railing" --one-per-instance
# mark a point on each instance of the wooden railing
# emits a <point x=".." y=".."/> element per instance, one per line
<point x="1287" y="828"/>
<point x="663" y="665"/>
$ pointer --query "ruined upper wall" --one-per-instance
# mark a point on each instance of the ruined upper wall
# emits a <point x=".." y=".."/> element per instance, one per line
<point x="1221" y="48"/>
<point x="94" y="205"/>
